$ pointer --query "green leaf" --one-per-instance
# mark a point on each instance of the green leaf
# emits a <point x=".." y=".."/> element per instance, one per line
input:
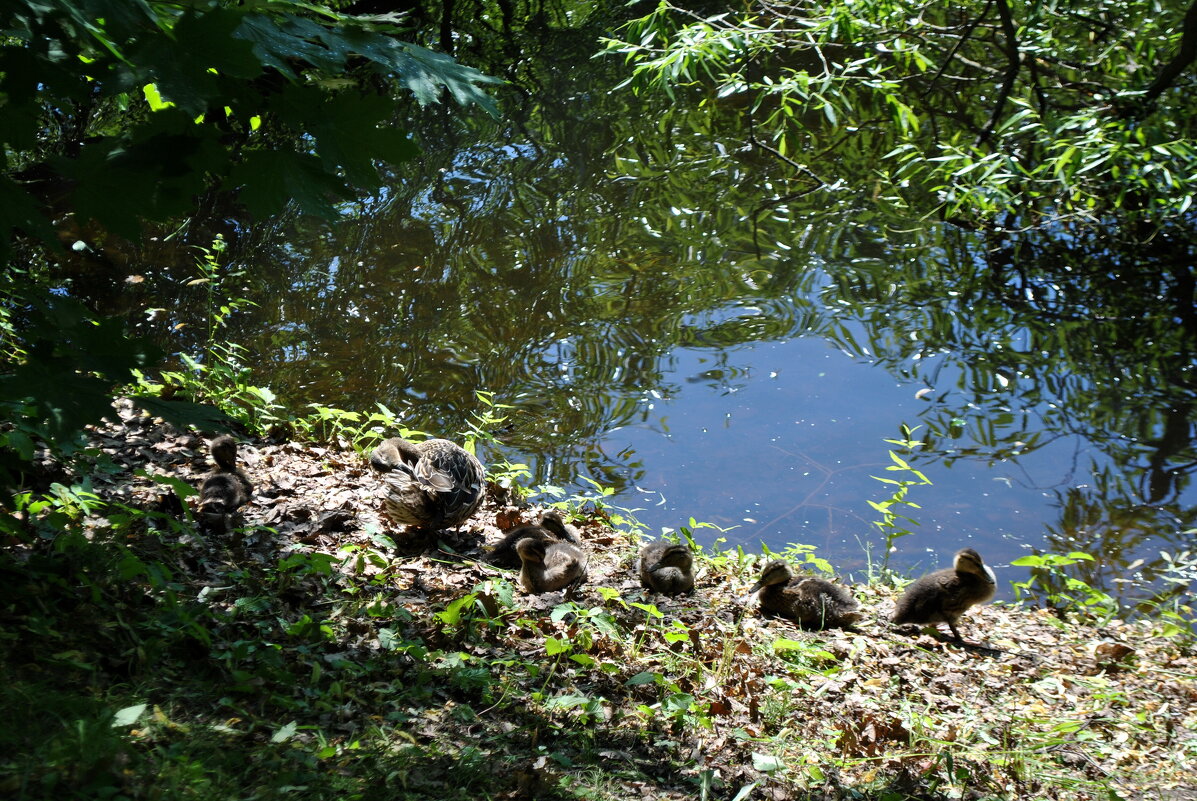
<point x="571" y="700"/>
<point x="608" y="593"/>
<point x="191" y="65"/>
<point x="19" y="442"/>
<point x="351" y="130"/>
<point x="782" y="644"/>
<point x="279" y="41"/>
<point x="128" y="716"/>
<point x="154" y="98"/>
<point x="64" y="401"/>
<point x="745" y="791"/>
<point x="284" y="733"/>
<point x="388" y="639"/>
<point x="677" y="703"/>
<point x="650" y="609"/>
<point x="424" y="72"/>
<point x="270" y="179"/>
<point x="185" y="413"/>
<point x="767" y="763"/>
<point x="451" y="615"/>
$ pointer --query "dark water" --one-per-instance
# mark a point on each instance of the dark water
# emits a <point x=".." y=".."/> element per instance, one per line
<point x="620" y="272"/>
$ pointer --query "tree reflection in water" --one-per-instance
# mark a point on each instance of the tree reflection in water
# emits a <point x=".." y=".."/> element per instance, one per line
<point x="612" y="265"/>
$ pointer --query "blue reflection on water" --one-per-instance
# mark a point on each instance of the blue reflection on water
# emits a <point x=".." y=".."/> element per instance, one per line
<point x="787" y="452"/>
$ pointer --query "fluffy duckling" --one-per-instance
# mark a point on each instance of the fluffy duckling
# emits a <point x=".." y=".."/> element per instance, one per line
<point x="667" y="568"/>
<point x="227" y="488"/>
<point x="549" y="566"/>
<point x="943" y="596"/>
<point x="552" y="520"/>
<point x="812" y="602"/>
<point x="433" y="484"/>
<point x="505" y="555"/>
<point x="551" y="528"/>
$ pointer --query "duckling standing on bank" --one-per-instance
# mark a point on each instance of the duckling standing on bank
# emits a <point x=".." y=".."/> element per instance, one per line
<point x="551" y="528"/>
<point x="812" y="602"/>
<point x="667" y="568"/>
<point x="549" y="566"/>
<point x="943" y="596"/>
<point x="226" y="489"/>
<point x="433" y="484"/>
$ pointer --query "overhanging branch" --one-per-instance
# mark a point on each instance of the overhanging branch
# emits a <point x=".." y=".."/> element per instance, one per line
<point x="1183" y="58"/>
<point x="1013" y="64"/>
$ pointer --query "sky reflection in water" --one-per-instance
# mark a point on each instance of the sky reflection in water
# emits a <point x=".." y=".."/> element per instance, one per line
<point x="786" y="453"/>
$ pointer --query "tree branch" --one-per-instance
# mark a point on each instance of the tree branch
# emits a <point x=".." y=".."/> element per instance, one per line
<point x="1013" y="64"/>
<point x="964" y="37"/>
<point x="1183" y="58"/>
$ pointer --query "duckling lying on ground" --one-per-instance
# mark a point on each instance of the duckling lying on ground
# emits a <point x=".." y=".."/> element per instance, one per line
<point x="433" y="484"/>
<point x="943" y="596"/>
<point x="667" y="568"/>
<point x="552" y="520"/>
<point x="812" y="602"/>
<point x="226" y="489"/>
<point x="551" y="528"/>
<point x="549" y="566"/>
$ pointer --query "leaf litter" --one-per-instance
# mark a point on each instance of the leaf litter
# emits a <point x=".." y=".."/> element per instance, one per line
<point x="412" y="663"/>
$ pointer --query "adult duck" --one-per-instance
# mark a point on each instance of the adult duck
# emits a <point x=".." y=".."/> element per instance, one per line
<point x="433" y="484"/>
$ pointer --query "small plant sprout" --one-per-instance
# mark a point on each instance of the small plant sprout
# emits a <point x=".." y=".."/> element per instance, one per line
<point x="893" y="522"/>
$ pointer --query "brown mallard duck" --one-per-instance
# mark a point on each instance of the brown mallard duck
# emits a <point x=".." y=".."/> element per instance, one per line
<point x="549" y="566"/>
<point x="667" y="568"/>
<point x="943" y="596"/>
<point x="550" y="528"/>
<point x="227" y="488"/>
<point x="433" y="484"/>
<point x="811" y="602"/>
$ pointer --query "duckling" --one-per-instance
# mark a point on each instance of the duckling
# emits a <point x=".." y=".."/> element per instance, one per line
<point x="433" y="484"/>
<point x="812" y="602"/>
<point x="667" y="568"/>
<point x="227" y="488"/>
<point x="551" y="528"/>
<point x="549" y="566"/>
<point x="943" y="596"/>
<point x="552" y="520"/>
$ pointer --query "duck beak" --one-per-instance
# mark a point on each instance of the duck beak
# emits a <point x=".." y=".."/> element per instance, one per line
<point x="756" y="587"/>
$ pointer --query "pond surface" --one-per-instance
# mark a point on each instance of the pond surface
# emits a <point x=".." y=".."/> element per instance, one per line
<point x="618" y="270"/>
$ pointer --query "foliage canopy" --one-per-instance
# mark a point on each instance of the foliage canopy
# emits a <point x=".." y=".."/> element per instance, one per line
<point x="136" y="108"/>
<point x="988" y="111"/>
<point x="114" y="114"/>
